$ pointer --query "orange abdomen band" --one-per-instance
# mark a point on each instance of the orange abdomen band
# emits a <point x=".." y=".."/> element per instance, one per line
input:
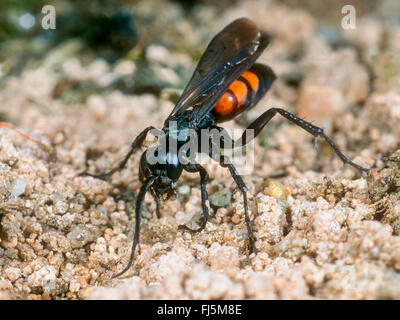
<point x="237" y="96"/>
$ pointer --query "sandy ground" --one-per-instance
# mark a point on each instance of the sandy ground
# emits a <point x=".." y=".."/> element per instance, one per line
<point x="322" y="232"/>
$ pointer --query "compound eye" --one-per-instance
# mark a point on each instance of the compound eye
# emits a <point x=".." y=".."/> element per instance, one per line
<point x="174" y="172"/>
<point x="174" y="168"/>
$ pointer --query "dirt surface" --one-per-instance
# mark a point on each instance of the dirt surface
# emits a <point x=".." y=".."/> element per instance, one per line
<point x="324" y="231"/>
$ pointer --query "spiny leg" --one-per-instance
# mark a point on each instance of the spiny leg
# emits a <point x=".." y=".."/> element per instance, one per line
<point x="194" y="167"/>
<point x="258" y="124"/>
<point x="138" y="215"/>
<point x="226" y="142"/>
<point x="224" y="161"/>
<point x="157" y="200"/>
<point x="158" y="208"/>
<point x="135" y="144"/>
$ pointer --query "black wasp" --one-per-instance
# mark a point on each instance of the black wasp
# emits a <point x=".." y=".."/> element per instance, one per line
<point x="225" y="83"/>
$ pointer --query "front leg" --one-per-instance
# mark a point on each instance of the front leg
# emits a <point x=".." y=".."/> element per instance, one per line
<point x="135" y="144"/>
<point x="138" y="215"/>
<point x="157" y="200"/>
<point x="194" y="167"/>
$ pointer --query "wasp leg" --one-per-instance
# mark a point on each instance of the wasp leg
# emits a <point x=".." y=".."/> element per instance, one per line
<point x="258" y="124"/>
<point x="194" y="167"/>
<point x="223" y="138"/>
<point x="157" y="200"/>
<point x="135" y="144"/>
<point x="224" y="161"/>
<point x="226" y="142"/>
<point x="158" y="209"/>
<point x="138" y="215"/>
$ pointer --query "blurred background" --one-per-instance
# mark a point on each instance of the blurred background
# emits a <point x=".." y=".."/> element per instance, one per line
<point x="124" y="29"/>
<point x="151" y="47"/>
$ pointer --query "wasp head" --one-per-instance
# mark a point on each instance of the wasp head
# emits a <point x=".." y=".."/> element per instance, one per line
<point x="165" y="173"/>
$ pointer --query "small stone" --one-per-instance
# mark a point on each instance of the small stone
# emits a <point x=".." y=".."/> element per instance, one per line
<point x="221" y="198"/>
<point x="125" y="68"/>
<point x="19" y="187"/>
<point x="74" y="286"/>
<point x="291" y="249"/>
<point x="222" y="257"/>
<point x="12" y="273"/>
<point x="184" y="190"/>
<point x="236" y="219"/>
<point x="97" y="68"/>
<point x="78" y="237"/>
<point x="158" y="54"/>
<point x="45" y="277"/>
<point x="277" y="190"/>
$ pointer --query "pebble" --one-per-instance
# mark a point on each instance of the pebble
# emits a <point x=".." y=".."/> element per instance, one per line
<point x="78" y="237"/>
<point x="184" y="190"/>
<point x="19" y="187"/>
<point x="221" y="198"/>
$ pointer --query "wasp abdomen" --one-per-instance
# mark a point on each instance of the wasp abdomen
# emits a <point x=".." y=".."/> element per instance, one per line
<point x="243" y="92"/>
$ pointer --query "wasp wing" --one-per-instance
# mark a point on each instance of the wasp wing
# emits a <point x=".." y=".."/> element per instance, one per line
<point x="229" y="54"/>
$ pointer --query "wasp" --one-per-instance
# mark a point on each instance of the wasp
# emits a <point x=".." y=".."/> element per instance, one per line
<point x="225" y="83"/>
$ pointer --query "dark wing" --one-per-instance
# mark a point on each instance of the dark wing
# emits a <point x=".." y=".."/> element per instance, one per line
<point x="229" y="54"/>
